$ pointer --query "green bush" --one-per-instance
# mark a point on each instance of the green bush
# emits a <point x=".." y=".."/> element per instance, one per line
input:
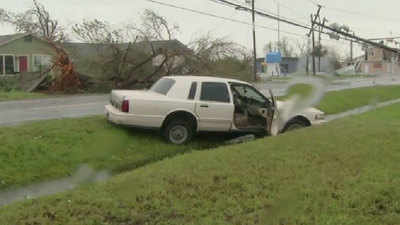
<point x="8" y="84"/>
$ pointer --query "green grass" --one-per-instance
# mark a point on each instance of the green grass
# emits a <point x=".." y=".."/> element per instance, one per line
<point x="19" y="95"/>
<point x="340" y="101"/>
<point x="345" y="172"/>
<point x="56" y="148"/>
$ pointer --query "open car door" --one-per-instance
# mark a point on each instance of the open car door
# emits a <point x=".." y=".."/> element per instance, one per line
<point x="273" y="125"/>
<point x="271" y="116"/>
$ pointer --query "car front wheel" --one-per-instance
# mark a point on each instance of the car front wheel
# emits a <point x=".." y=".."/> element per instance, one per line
<point x="294" y="125"/>
<point x="178" y="132"/>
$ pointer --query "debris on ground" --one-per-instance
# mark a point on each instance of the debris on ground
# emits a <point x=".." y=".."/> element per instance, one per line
<point x="241" y="139"/>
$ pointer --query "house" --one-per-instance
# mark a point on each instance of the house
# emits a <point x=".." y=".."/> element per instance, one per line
<point x="25" y="53"/>
<point x="377" y="60"/>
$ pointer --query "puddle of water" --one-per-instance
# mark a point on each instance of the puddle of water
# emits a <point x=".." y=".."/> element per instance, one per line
<point x="85" y="174"/>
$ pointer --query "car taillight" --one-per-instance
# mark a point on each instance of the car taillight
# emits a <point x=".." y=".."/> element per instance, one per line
<point x="125" y="106"/>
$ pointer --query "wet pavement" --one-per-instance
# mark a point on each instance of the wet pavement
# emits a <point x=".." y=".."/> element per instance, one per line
<point x="84" y="175"/>
<point x="17" y="112"/>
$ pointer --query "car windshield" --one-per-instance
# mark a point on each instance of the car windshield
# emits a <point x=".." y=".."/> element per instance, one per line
<point x="163" y="86"/>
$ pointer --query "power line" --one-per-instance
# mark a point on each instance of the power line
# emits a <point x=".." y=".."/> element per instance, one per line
<point x="363" y="14"/>
<point x="356" y="38"/>
<point x="238" y="6"/>
<point x="219" y="17"/>
<point x="292" y="10"/>
<point x="264" y="10"/>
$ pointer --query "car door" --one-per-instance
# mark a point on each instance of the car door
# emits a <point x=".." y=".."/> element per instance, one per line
<point x="256" y="103"/>
<point x="214" y="107"/>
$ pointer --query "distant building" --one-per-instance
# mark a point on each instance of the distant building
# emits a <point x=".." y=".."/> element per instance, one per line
<point x="286" y="66"/>
<point x="377" y="60"/>
<point x="289" y="64"/>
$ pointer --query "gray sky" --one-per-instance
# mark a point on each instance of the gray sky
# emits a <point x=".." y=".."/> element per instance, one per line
<point x="369" y="18"/>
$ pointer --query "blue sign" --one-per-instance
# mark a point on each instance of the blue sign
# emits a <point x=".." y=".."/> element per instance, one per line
<point x="274" y="57"/>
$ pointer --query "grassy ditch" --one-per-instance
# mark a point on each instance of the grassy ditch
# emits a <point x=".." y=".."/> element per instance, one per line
<point x="347" y="174"/>
<point x="56" y="148"/>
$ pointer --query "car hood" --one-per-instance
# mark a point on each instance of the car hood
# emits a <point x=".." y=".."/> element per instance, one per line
<point x="284" y="105"/>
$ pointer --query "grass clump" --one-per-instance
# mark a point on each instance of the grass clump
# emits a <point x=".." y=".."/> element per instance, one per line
<point x="19" y="95"/>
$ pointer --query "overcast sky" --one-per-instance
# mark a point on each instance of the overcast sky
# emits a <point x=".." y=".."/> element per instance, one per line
<point x="369" y="18"/>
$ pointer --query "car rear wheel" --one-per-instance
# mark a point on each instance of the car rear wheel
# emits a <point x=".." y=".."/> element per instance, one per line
<point x="178" y="132"/>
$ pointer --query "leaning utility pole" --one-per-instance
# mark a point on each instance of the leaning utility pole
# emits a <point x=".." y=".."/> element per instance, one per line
<point x="254" y="41"/>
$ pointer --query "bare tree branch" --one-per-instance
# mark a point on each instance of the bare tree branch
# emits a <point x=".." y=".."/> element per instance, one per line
<point x="36" y="20"/>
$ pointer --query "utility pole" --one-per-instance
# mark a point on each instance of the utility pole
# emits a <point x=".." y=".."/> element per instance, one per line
<point x="320" y="48"/>
<point x="313" y="21"/>
<point x="320" y="45"/>
<point x="307" y="56"/>
<point x="351" y="51"/>
<point x="279" y="23"/>
<point x="254" y="41"/>
<point x="313" y="45"/>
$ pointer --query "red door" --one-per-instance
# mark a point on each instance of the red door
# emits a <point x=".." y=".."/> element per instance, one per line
<point x="23" y="64"/>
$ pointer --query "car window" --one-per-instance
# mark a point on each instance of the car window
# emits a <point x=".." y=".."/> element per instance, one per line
<point x="163" y="86"/>
<point x="192" y="92"/>
<point x="214" y="91"/>
<point x="249" y="92"/>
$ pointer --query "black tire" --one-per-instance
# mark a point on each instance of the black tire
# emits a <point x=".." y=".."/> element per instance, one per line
<point x="178" y="132"/>
<point x="294" y="125"/>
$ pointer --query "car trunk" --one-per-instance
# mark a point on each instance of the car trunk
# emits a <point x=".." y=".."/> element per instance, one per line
<point x="118" y="96"/>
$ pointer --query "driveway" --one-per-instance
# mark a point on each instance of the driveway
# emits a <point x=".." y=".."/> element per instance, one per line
<point x="17" y="112"/>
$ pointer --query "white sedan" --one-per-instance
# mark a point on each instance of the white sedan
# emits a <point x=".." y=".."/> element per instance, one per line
<point x="181" y="106"/>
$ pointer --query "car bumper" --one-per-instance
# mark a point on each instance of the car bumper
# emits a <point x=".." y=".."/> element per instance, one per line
<point x="128" y="119"/>
<point x="318" y="122"/>
<point x="115" y="116"/>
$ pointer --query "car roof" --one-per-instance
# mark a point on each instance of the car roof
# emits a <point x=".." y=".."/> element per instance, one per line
<point x="206" y="78"/>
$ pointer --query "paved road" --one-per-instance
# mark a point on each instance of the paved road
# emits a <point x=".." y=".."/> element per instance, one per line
<point x="17" y="112"/>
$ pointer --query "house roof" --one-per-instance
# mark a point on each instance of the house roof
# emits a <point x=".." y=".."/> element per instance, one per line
<point x="4" y="39"/>
<point x="165" y="44"/>
<point x="89" y="49"/>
